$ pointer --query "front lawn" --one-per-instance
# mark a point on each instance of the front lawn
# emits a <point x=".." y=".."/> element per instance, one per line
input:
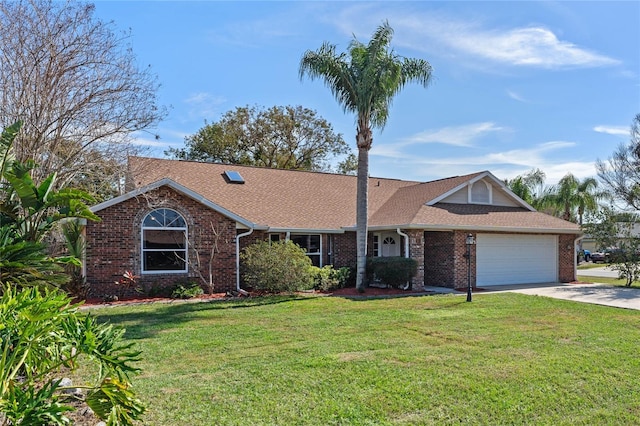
<point x="502" y="359"/>
<point x="606" y="280"/>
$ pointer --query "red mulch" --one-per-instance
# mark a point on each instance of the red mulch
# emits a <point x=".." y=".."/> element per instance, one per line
<point x="141" y="300"/>
<point x="343" y="292"/>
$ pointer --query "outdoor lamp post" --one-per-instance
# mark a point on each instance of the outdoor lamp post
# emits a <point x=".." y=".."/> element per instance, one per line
<point x="470" y="241"/>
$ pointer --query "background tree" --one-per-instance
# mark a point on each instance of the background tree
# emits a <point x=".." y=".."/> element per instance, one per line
<point x="529" y="187"/>
<point x="571" y="198"/>
<point x="281" y="137"/>
<point x="620" y="240"/>
<point x="364" y="81"/>
<point x="75" y="85"/>
<point x="620" y="174"/>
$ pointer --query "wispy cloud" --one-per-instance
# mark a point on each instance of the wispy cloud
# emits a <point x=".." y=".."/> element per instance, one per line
<point x="504" y="164"/>
<point x="516" y="96"/>
<point x="457" y="136"/>
<point x="612" y="130"/>
<point x="203" y="105"/>
<point x="530" y="46"/>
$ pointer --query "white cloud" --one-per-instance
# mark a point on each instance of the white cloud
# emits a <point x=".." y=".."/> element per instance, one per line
<point x="457" y="136"/>
<point x="612" y="130"/>
<point x="203" y="105"/>
<point x="435" y="32"/>
<point x="504" y="164"/>
<point x="531" y="46"/>
<point x="516" y="96"/>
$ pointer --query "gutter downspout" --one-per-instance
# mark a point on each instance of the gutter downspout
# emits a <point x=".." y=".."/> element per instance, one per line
<point x="575" y="257"/>
<point x="408" y="284"/>
<point x="238" y="289"/>
<point x="406" y="242"/>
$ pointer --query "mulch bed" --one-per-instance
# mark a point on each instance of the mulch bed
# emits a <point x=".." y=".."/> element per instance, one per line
<point x="343" y="292"/>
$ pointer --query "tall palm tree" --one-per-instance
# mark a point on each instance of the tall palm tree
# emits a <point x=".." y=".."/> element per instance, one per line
<point x="364" y="81"/>
<point x="572" y="195"/>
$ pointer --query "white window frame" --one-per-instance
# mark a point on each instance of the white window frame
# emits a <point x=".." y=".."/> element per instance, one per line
<point x="318" y="253"/>
<point x="143" y="250"/>
<point x="489" y="189"/>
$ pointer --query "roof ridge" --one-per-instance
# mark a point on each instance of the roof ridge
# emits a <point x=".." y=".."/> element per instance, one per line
<point x="249" y="166"/>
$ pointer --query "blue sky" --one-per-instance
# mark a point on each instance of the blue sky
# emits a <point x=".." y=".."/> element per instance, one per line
<point x="516" y="85"/>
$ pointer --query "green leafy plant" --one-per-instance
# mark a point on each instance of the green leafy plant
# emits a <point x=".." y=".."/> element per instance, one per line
<point x="189" y="291"/>
<point x="29" y="211"/>
<point x="394" y="271"/>
<point x="41" y="332"/>
<point x="327" y="278"/>
<point x="277" y="267"/>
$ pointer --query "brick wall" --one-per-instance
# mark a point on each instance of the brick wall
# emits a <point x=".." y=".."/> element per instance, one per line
<point x="461" y="261"/>
<point x="567" y="258"/>
<point x="344" y="250"/>
<point x="439" y="251"/>
<point x="417" y="251"/>
<point x="114" y="245"/>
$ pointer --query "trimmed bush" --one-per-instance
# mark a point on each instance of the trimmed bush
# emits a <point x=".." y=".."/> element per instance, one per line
<point x="393" y="271"/>
<point x="327" y="278"/>
<point x="277" y="267"/>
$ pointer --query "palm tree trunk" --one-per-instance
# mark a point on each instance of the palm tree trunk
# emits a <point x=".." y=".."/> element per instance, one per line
<point x="362" y="207"/>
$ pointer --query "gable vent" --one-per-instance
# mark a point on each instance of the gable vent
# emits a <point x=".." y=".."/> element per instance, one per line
<point x="233" y="176"/>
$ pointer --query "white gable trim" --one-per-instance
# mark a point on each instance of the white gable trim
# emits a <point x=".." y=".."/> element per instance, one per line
<point x="493" y="179"/>
<point x="181" y="189"/>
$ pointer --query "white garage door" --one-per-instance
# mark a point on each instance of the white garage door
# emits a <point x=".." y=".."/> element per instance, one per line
<point x="516" y="259"/>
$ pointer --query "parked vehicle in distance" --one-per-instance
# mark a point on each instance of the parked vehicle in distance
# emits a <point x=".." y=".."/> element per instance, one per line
<point x="611" y="255"/>
<point x="598" y="256"/>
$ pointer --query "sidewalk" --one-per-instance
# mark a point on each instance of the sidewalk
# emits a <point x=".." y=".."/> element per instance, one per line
<point x="599" y="294"/>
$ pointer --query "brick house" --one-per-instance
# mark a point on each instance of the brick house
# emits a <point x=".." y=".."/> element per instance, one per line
<point x="177" y="213"/>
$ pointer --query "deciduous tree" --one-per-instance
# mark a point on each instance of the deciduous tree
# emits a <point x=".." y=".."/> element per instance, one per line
<point x="281" y="137"/>
<point x="75" y="84"/>
<point x="620" y="174"/>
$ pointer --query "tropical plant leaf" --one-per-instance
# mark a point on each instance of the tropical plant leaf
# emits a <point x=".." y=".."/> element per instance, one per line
<point x="115" y="403"/>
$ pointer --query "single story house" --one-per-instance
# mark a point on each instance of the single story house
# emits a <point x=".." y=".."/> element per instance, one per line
<point x="183" y="220"/>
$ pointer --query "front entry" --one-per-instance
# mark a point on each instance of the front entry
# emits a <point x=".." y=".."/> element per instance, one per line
<point x="389" y="244"/>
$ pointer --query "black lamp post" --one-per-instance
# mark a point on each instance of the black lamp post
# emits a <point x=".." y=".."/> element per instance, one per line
<point x="470" y="241"/>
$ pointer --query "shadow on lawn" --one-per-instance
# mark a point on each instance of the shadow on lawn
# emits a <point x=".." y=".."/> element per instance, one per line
<point x="145" y="323"/>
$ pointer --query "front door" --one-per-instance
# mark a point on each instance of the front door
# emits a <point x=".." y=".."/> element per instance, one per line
<point x="390" y="245"/>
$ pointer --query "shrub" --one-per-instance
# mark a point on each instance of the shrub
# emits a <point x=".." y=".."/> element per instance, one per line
<point x="277" y="267"/>
<point x="327" y="278"/>
<point x="393" y="271"/>
<point x="40" y="332"/>
<point x="189" y="292"/>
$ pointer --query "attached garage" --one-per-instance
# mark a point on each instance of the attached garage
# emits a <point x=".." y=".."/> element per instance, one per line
<point x="503" y="259"/>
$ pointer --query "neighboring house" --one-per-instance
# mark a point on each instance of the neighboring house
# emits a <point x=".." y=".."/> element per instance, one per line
<point x="166" y="227"/>
<point x="625" y="230"/>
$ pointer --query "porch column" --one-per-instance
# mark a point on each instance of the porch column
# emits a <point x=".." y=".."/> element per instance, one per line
<point x="416" y="252"/>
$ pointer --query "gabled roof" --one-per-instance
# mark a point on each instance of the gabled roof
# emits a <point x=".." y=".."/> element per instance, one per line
<point x="281" y="200"/>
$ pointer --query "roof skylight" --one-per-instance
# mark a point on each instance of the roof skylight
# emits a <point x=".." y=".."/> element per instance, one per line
<point x="233" y="176"/>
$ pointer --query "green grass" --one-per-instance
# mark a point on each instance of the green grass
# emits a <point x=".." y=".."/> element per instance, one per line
<point x="591" y="265"/>
<point x="502" y="359"/>
<point x="606" y="280"/>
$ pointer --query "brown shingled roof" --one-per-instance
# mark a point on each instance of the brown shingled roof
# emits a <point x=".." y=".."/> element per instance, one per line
<point x="286" y="199"/>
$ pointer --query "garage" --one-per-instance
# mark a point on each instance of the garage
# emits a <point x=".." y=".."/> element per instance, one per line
<point x="516" y="259"/>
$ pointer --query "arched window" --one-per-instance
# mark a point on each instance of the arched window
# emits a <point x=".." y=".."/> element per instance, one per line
<point x="164" y="242"/>
<point x="480" y="192"/>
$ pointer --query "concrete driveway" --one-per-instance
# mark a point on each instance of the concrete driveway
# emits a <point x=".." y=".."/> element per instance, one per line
<point x="599" y="294"/>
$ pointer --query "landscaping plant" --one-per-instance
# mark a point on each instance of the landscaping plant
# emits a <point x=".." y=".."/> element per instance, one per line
<point x="41" y="332"/>
<point x="280" y="266"/>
